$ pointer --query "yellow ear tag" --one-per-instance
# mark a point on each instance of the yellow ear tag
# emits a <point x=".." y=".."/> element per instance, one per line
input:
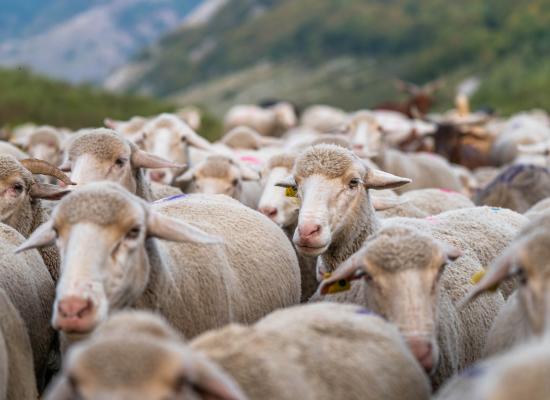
<point x="290" y="192"/>
<point x="478" y="276"/>
<point x="340" y="286"/>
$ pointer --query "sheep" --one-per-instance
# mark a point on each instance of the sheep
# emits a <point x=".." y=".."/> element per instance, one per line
<point x="406" y="281"/>
<point x="45" y="143"/>
<point x="30" y="288"/>
<point x="10" y="150"/>
<point x="323" y="118"/>
<point x="270" y="121"/>
<point x="519" y="374"/>
<point x="168" y="137"/>
<point x="525" y="314"/>
<point x="321" y="351"/>
<point x="20" y="203"/>
<point x="131" y="129"/>
<point x="518" y="187"/>
<point x="336" y="217"/>
<point x="283" y="210"/>
<point x="219" y="174"/>
<point x="200" y="284"/>
<point x="243" y="137"/>
<point x="102" y="154"/>
<point x="427" y="170"/>
<point x="17" y="380"/>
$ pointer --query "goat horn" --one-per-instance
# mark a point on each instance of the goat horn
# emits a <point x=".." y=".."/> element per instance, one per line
<point x="43" y="168"/>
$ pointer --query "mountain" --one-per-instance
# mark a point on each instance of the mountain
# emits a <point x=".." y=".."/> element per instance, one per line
<point x="347" y="52"/>
<point x="83" y="40"/>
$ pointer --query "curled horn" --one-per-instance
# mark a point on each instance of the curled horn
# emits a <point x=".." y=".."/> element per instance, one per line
<point x="43" y="168"/>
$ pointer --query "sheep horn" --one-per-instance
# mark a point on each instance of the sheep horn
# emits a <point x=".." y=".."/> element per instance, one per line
<point x="43" y="168"/>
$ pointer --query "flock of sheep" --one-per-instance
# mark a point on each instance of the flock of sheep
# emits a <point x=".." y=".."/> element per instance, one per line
<point x="141" y="261"/>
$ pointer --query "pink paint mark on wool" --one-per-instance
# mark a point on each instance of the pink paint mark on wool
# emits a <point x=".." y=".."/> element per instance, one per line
<point x="431" y="219"/>
<point x="448" y="191"/>
<point x="250" y="159"/>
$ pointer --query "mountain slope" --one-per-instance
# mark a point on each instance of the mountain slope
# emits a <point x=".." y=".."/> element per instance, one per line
<point x="346" y="52"/>
<point x="25" y="97"/>
<point x="83" y="40"/>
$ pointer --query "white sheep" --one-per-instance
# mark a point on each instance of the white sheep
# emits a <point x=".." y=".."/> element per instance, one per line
<point x="323" y="118"/>
<point x="232" y="264"/>
<point x="525" y="314"/>
<point x="321" y="352"/>
<point x="269" y="121"/>
<point x="17" y="379"/>
<point x="168" y="137"/>
<point x="25" y="280"/>
<point x="219" y="174"/>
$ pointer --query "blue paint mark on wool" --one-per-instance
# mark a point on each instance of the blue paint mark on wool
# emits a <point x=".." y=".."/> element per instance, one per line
<point x="170" y="198"/>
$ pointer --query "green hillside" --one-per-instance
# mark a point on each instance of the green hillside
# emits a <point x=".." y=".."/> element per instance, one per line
<point x="346" y="52"/>
<point x="27" y="97"/>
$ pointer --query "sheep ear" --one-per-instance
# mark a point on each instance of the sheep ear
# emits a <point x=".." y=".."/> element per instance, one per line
<point x="43" y="236"/>
<point x="248" y="174"/>
<point x="386" y="203"/>
<point x="142" y="159"/>
<point x="215" y="384"/>
<point x="346" y="271"/>
<point x="48" y="192"/>
<point x="287" y="182"/>
<point x="110" y="123"/>
<point x="377" y="179"/>
<point x="163" y="227"/>
<point x="495" y="274"/>
<point x="195" y="140"/>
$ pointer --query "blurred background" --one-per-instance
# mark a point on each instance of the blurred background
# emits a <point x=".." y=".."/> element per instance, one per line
<point x="73" y="62"/>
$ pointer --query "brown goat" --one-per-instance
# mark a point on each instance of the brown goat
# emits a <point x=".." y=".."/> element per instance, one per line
<point x="421" y="99"/>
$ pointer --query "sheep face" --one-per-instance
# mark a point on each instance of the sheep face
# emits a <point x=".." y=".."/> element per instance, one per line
<point x="101" y="233"/>
<point x="285" y="115"/>
<point x="45" y="144"/>
<point x="219" y="175"/>
<point x="401" y="269"/>
<point x="15" y="187"/>
<point x="365" y="135"/>
<point x="274" y="203"/>
<point x="102" y="155"/>
<point x="331" y="184"/>
<point x="168" y="137"/>
<point x="150" y="363"/>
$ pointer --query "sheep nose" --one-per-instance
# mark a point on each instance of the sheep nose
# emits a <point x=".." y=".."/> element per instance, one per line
<point x="270" y="212"/>
<point x="358" y="146"/>
<point x="309" y="230"/>
<point x="423" y="351"/>
<point x="157" y="176"/>
<point x="74" y="307"/>
<point x="74" y="314"/>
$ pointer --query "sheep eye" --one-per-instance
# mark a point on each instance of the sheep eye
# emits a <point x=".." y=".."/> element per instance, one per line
<point x="522" y="276"/>
<point x="354" y="183"/>
<point x="18" y="188"/>
<point x="133" y="233"/>
<point x="120" y="162"/>
<point x="235" y="182"/>
<point x="180" y="383"/>
<point x="184" y="139"/>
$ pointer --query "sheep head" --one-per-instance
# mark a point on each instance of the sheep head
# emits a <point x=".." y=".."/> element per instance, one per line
<point x="102" y="155"/>
<point x="332" y="186"/>
<point x="152" y="363"/>
<point x="401" y="269"/>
